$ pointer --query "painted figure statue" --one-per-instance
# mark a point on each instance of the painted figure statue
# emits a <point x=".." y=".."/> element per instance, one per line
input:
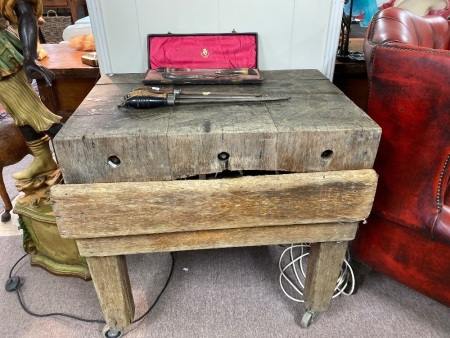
<point x="18" y="63"/>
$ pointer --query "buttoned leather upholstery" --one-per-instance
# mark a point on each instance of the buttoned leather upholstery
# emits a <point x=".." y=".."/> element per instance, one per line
<point x="408" y="233"/>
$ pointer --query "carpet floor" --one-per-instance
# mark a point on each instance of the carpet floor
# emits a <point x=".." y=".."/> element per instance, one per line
<point x="212" y="293"/>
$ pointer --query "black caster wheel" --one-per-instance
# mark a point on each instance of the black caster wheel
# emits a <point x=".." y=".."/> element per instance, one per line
<point x="360" y="271"/>
<point x="6" y="216"/>
<point x="307" y="319"/>
<point x="114" y="332"/>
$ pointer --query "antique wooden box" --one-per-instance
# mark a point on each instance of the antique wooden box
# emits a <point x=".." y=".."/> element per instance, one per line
<point x="202" y="59"/>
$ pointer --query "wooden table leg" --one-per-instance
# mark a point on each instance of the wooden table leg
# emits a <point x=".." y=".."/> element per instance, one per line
<point x="74" y="5"/>
<point x="112" y="283"/>
<point x="324" y="264"/>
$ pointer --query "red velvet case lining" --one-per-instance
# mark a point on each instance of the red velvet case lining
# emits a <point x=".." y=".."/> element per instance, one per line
<point x="169" y="53"/>
<point x="203" y="51"/>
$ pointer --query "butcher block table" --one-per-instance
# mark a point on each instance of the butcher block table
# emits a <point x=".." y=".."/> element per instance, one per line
<point x="141" y="181"/>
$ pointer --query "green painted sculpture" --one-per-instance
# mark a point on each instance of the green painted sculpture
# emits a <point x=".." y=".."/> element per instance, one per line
<point x="18" y="65"/>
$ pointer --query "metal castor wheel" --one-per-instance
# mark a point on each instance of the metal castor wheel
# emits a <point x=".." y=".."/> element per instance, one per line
<point x="307" y="319"/>
<point x="360" y="271"/>
<point x="114" y="332"/>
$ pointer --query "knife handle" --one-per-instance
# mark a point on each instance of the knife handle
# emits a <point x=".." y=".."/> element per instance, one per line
<point x="145" y="102"/>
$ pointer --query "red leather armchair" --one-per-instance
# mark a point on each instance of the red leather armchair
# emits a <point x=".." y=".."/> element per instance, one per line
<point x="407" y="236"/>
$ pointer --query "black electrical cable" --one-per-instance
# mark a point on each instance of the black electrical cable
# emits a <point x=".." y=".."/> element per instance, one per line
<point x="83" y="319"/>
<point x="10" y="271"/>
<point x="48" y="314"/>
<point x="162" y="291"/>
<point x="55" y="313"/>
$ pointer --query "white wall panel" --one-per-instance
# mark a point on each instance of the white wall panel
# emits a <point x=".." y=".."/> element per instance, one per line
<point x="272" y="20"/>
<point x="175" y="16"/>
<point x="309" y="36"/>
<point x="292" y="33"/>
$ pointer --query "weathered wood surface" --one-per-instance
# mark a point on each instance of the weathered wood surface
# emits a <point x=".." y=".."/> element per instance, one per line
<point x="134" y="208"/>
<point x="196" y="240"/>
<point x="112" y="283"/>
<point x="324" y="264"/>
<point x="174" y="142"/>
<point x="304" y="74"/>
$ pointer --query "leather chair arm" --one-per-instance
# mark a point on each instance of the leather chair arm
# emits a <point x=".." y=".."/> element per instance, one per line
<point x="407" y="60"/>
<point x="409" y="98"/>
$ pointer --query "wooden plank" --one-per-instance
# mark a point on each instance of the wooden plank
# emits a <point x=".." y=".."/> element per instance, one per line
<point x="324" y="263"/>
<point x="332" y="135"/>
<point x="102" y="210"/>
<point x="194" y="140"/>
<point x="111" y="281"/>
<point x="208" y="239"/>
<point x="143" y="152"/>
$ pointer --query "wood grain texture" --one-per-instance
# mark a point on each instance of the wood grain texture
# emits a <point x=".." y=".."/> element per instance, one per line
<point x="103" y="209"/>
<point x="73" y="79"/>
<point x="196" y="240"/>
<point x="112" y="284"/>
<point x="324" y="263"/>
<point x="65" y="61"/>
<point x="175" y="142"/>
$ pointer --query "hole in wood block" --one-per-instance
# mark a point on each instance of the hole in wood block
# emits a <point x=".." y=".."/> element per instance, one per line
<point x="223" y="156"/>
<point x="327" y="154"/>
<point x="114" y="161"/>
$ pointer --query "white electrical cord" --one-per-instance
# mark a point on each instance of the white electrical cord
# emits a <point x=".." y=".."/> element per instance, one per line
<point x="295" y="265"/>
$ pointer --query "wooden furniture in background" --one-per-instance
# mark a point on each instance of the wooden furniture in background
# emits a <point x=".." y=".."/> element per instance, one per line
<point x="351" y="76"/>
<point x="13" y="149"/>
<point x="74" y="5"/>
<point x="125" y="190"/>
<point x="74" y="80"/>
